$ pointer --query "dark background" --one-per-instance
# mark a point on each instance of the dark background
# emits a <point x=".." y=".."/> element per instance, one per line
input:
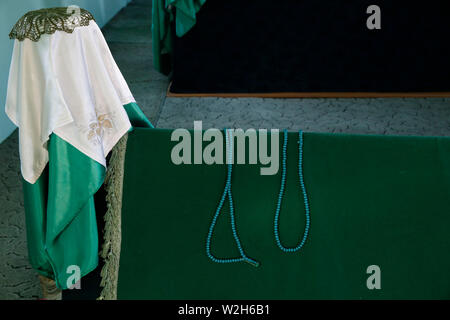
<point x="259" y="46"/>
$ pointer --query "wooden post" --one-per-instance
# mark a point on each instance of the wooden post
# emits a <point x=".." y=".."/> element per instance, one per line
<point x="49" y="289"/>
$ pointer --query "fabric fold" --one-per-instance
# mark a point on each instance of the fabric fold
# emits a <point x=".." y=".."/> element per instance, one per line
<point x="60" y="213"/>
<point x="60" y="209"/>
<point x="33" y="104"/>
<point x="162" y="19"/>
<point x="186" y="14"/>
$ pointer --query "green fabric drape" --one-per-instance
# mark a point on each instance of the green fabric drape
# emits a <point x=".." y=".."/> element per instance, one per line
<point x="60" y="213"/>
<point x="137" y="117"/>
<point x="375" y="200"/>
<point x="60" y="210"/>
<point x="162" y="17"/>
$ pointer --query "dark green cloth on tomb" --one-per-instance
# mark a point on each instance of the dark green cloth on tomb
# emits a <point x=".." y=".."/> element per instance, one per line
<point x="375" y="200"/>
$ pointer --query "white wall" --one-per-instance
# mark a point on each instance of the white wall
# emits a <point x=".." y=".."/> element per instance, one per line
<point x="12" y="10"/>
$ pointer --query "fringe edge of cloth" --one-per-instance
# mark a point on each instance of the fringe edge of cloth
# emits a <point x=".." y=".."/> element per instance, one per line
<point x="112" y="237"/>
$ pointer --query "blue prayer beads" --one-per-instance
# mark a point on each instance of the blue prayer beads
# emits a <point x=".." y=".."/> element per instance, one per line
<point x="227" y="192"/>
<point x="281" y="194"/>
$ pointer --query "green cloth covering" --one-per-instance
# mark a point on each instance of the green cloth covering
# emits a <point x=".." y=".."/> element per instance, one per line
<point x="60" y="210"/>
<point x="162" y="17"/>
<point x="375" y="200"/>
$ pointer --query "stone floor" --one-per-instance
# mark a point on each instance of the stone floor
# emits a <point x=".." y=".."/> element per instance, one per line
<point x="423" y="117"/>
<point x="129" y="38"/>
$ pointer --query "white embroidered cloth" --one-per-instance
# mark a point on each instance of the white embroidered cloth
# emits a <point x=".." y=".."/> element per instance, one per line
<point x="67" y="84"/>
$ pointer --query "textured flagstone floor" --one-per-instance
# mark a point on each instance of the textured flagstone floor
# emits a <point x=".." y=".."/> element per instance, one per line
<point x="423" y="117"/>
<point x="129" y="38"/>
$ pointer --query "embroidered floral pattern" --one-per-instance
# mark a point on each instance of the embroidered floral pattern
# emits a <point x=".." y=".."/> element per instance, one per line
<point x="98" y="128"/>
